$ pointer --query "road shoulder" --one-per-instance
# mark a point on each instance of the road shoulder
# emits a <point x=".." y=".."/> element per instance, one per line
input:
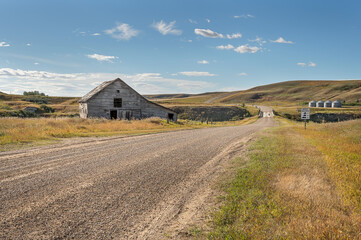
<point x="194" y="213"/>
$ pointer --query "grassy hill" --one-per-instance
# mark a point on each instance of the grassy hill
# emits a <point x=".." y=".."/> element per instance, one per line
<point x="283" y="92"/>
<point x="291" y="91"/>
<point x="12" y="105"/>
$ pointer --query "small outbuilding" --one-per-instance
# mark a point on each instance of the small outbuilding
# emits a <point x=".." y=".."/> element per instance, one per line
<point x="116" y="100"/>
<point x="320" y="104"/>
<point x="312" y="104"/>
<point x="328" y="104"/>
<point x="336" y="104"/>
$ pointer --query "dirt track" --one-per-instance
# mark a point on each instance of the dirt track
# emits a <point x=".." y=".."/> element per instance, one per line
<point x="120" y="188"/>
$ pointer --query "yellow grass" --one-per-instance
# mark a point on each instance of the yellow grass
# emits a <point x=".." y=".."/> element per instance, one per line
<point x="294" y="184"/>
<point x="30" y="130"/>
<point x="341" y="145"/>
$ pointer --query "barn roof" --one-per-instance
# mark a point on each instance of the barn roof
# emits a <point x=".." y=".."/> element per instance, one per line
<point x="96" y="90"/>
<point x="103" y="85"/>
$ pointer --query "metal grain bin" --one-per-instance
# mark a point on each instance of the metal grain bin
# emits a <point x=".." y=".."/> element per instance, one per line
<point x="328" y="104"/>
<point x="320" y="104"/>
<point x="336" y="104"/>
<point x="312" y="104"/>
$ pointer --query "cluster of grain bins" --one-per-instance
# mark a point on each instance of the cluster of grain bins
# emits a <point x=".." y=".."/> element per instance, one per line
<point x="327" y="104"/>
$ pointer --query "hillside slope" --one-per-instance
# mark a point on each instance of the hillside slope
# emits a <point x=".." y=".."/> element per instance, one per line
<point x="289" y="91"/>
<point x="349" y="91"/>
<point x="10" y="104"/>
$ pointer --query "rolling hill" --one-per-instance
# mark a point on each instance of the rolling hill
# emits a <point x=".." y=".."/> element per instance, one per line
<point x="290" y="91"/>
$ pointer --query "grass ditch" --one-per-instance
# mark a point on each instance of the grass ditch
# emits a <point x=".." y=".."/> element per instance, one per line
<point x="294" y="184"/>
<point x="16" y="132"/>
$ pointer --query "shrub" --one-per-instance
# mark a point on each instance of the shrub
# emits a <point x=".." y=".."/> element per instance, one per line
<point x="46" y="109"/>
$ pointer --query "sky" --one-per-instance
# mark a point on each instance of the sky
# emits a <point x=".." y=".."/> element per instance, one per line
<point x="68" y="47"/>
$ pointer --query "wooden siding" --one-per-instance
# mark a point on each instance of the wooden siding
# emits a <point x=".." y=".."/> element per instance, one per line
<point x="133" y="104"/>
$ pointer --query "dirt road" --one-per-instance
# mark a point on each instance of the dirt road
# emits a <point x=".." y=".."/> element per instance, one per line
<point x="117" y="188"/>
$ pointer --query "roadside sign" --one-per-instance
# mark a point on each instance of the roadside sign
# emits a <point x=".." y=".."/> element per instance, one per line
<point x="305" y="113"/>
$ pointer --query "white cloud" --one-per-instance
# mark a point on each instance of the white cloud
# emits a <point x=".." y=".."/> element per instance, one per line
<point x="302" y="64"/>
<point x="242" y="74"/>
<point x="42" y="75"/>
<point x="78" y="84"/>
<point x="96" y="34"/>
<point x="246" y="49"/>
<point x="122" y="31"/>
<point x="197" y="74"/>
<point x="36" y="63"/>
<point x="312" y="64"/>
<point x="203" y="62"/>
<point x="28" y="44"/>
<point x="208" y="33"/>
<point x="258" y="40"/>
<point x="211" y="34"/>
<point x="208" y="20"/>
<point x="281" y="40"/>
<point x="244" y="16"/>
<point x="165" y="28"/>
<point x="101" y="58"/>
<point x="225" y="47"/>
<point x="234" y="35"/>
<point x="4" y="44"/>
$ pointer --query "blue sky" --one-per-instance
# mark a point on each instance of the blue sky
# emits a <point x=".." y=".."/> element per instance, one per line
<point x="67" y="47"/>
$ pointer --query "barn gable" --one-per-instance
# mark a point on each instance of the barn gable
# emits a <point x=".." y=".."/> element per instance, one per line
<point x="117" y="100"/>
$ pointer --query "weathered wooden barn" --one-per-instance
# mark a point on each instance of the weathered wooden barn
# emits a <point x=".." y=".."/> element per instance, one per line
<point x="116" y="100"/>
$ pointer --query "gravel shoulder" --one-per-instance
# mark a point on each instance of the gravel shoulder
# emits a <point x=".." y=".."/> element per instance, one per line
<point x="141" y="187"/>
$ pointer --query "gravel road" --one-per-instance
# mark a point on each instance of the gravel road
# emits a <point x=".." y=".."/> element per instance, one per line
<point x="116" y="188"/>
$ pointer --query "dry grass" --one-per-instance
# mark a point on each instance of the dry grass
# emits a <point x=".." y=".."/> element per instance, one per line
<point x="30" y="130"/>
<point x="341" y="145"/>
<point x="298" y="91"/>
<point x="289" y="189"/>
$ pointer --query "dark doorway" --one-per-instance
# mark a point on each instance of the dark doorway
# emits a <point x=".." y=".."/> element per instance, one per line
<point x="171" y="116"/>
<point x="113" y="114"/>
<point x="128" y="115"/>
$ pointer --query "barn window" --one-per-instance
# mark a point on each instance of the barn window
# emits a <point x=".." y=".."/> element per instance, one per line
<point x="118" y="91"/>
<point x="118" y="102"/>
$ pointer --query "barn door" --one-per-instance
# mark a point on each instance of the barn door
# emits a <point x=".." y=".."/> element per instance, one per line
<point x="171" y="116"/>
<point x="128" y="115"/>
<point x="113" y="114"/>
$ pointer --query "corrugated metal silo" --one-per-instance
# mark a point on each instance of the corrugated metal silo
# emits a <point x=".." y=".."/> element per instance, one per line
<point x="320" y="104"/>
<point x="328" y="104"/>
<point x="336" y="104"/>
<point x="312" y="104"/>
